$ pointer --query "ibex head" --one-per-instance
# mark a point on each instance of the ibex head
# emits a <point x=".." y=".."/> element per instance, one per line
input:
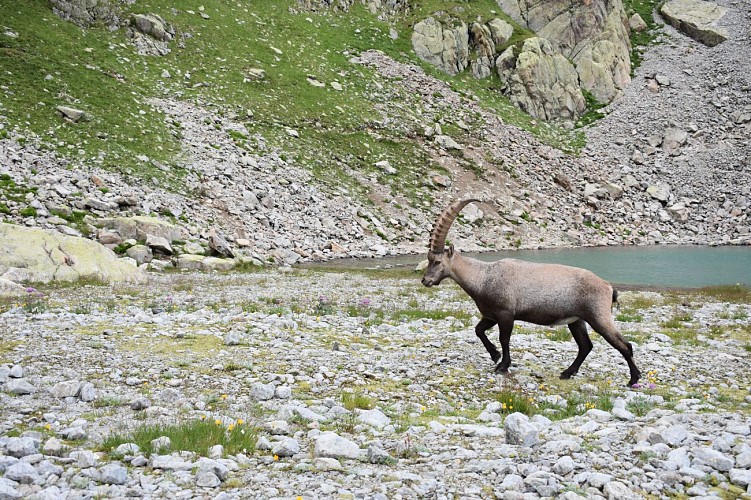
<point x="439" y="258"/>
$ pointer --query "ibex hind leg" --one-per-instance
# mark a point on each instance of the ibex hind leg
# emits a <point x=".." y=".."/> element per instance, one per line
<point x="579" y="331"/>
<point x="610" y="333"/>
<point x="504" y="336"/>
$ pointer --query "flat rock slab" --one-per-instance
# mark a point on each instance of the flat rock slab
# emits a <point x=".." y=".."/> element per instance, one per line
<point x="38" y="255"/>
<point x="697" y="19"/>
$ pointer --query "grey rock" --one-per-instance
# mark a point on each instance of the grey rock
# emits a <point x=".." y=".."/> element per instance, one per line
<point x="713" y="458"/>
<point x="445" y="48"/>
<point x="113" y="473"/>
<point x="219" y="245"/>
<point x="140" y="253"/>
<point x="67" y="389"/>
<point x="377" y="455"/>
<point x="54" y="447"/>
<point x="140" y="403"/>
<point x="16" y="371"/>
<point x="6" y="461"/>
<point x="697" y="19"/>
<point x="563" y="465"/>
<point x="674" y="435"/>
<point x="19" y="386"/>
<point x="374" y="418"/>
<point x="520" y="431"/>
<point x="327" y="464"/>
<point x="283" y="392"/>
<point x="87" y="392"/>
<point x="287" y="447"/>
<point x="47" y="467"/>
<point x="169" y="462"/>
<point x="329" y="444"/>
<point x="127" y="449"/>
<point x="262" y="392"/>
<point x="232" y="338"/>
<point x="615" y="490"/>
<point x="159" y="244"/>
<point x="73" y="433"/>
<point x="207" y="479"/>
<point x="72" y="114"/>
<point x="161" y="444"/>
<point x="7" y="490"/>
<point x="740" y="477"/>
<point x="214" y="466"/>
<point x="20" y="447"/>
<point x="84" y="458"/>
<point x="21" y="472"/>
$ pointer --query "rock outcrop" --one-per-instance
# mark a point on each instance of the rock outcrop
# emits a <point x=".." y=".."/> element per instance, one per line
<point x="594" y="35"/>
<point x="697" y="19"/>
<point x="541" y="81"/>
<point x="445" y="48"/>
<point x="151" y="34"/>
<point x="37" y="255"/>
<point x="87" y="12"/>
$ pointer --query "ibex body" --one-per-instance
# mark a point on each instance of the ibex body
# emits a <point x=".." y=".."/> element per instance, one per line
<point x="544" y="294"/>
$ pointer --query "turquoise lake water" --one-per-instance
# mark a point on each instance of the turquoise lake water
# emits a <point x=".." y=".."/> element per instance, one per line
<point x="671" y="266"/>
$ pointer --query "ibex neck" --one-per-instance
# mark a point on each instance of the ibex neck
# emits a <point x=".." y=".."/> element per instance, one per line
<point x="465" y="271"/>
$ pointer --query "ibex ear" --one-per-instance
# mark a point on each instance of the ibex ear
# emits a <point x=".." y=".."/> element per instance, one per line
<point x="450" y="251"/>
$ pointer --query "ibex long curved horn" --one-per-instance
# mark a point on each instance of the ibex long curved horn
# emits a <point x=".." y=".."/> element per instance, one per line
<point x="443" y="224"/>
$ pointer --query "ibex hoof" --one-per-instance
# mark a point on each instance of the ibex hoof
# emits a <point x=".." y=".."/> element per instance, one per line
<point x="500" y="368"/>
<point x="565" y="375"/>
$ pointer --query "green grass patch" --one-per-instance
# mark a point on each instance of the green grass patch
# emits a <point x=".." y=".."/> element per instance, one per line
<point x="736" y="294"/>
<point x="197" y="436"/>
<point x="640" y="406"/>
<point x="558" y="335"/>
<point x="515" y="401"/>
<point x="629" y="317"/>
<point x="640" y="40"/>
<point x="352" y="400"/>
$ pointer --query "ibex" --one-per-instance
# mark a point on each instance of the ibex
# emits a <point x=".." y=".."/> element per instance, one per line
<point x="544" y="294"/>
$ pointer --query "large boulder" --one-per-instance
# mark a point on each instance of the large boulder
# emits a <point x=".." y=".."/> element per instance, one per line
<point x="697" y="19"/>
<point x="594" y="35"/>
<point x="38" y="255"/>
<point x="541" y="81"/>
<point x="445" y="48"/>
<point x="140" y="226"/>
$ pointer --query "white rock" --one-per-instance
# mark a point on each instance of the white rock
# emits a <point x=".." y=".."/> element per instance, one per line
<point x="520" y="431"/>
<point x="374" y="418"/>
<point x="331" y="445"/>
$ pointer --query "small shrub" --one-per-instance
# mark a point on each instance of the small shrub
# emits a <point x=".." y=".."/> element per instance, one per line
<point x="512" y="402"/>
<point x="352" y="400"/>
<point x="34" y="302"/>
<point x="28" y="212"/>
<point x="640" y="406"/>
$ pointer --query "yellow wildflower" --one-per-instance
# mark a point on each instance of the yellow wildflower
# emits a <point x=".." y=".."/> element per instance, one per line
<point x="218" y="422"/>
<point x="240" y="421"/>
<point x="276" y="457"/>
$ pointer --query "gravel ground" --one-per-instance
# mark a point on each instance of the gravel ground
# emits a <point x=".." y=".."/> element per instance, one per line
<point x="364" y="385"/>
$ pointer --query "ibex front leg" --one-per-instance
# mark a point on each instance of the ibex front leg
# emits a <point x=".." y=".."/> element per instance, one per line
<point x="484" y="325"/>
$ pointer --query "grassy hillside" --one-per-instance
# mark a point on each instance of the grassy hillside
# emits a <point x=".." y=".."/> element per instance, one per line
<point x="46" y="62"/>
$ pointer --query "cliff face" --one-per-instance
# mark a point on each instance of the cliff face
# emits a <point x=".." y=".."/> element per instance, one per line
<point x="593" y="34"/>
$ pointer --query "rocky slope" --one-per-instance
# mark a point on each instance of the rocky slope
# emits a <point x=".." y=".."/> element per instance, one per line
<point x="668" y="164"/>
<point x="355" y="392"/>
